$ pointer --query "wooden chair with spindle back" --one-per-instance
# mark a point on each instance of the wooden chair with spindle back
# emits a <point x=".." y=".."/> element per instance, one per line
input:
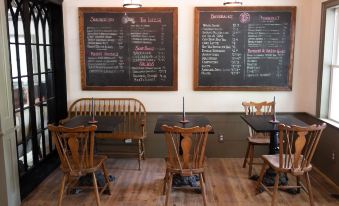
<point x="296" y="149"/>
<point x="254" y="138"/>
<point x="192" y="142"/>
<point x="75" y="147"/>
<point x="133" y="126"/>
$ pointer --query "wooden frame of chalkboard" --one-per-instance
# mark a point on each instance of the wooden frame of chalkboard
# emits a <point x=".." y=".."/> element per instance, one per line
<point x="235" y="48"/>
<point x="129" y="49"/>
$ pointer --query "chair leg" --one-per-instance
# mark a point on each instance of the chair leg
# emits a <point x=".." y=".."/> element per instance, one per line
<point x="309" y="188"/>
<point x="165" y="183"/>
<point x="143" y="149"/>
<point x="140" y="153"/>
<point x="169" y="188"/>
<point x="204" y="176"/>
<point x="275" y="189"/>
<point x="96" y="192"/>
<point x="298" y="182"/>
<point x="246" y="155"/>
<point x="261" y="177"/>
<point x="250" y="164"/>
<point x="203" y="188"/>
<point x="62" y="188"/>
<point x="107" y="179"/>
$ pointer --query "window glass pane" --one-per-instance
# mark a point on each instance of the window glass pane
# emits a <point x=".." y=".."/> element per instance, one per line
<point x="33" y="35"/>
<point x="43" y="87"/>
<point x="45" y="114"/>
<point x="334" y="105"/>
<point x="24" y="83"/>
<point x="18" y="124"/>
<point x="16" y="94"/>
<point x="47" y="32"/>
<point x="41" y="34"/>
<point x="21" y="37"/>
<point x="36" y="88"/>
<point x="23" y="61"/>
<point x="335" y="59"/>
<point x="14" y="61"/>
<point x="38" y="118"/>
<point x="48" y="55"/>
<point x="27" y="123"/>
<point x="11" y="28"/>
<point x="42" y="58"/>
<point x="35" y="59"/>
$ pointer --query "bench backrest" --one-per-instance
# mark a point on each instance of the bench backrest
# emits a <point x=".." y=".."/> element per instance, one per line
<point x="107" y="107"/>
<point x="131" y="110"/>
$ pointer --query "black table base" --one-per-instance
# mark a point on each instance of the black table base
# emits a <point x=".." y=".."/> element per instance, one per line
<point x="181" y="181"/>
<point x="87" y="180"/>
<point x="269" y="178"/>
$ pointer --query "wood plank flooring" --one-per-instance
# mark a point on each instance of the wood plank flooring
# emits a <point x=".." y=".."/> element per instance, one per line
<point x="227" y="184"/>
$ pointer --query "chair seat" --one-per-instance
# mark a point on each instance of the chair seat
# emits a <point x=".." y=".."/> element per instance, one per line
<point x="273" y="161"/>
<point x="97" y="162"/>
<point x="175" y="168"/>
<point x="259" y="138"/>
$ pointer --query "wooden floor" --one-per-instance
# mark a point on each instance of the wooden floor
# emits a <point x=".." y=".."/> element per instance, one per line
<point x="227" y="184"/>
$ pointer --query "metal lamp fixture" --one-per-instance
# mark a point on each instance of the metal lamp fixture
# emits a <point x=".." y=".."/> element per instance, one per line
<point x="132" y="4"/>
<point x="233" y="3"/>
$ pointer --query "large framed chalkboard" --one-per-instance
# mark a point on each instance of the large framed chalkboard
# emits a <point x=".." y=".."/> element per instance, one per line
<point x="128" y="49"/>
<point x="244" y="48"/>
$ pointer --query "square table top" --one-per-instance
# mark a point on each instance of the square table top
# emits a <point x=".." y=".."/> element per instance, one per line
<point x="174" y="120"/>
<point x="105" y="124"/>
<point x="261" y="123"/>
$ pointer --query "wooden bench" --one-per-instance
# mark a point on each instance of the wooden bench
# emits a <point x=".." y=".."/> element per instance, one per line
<point x="132" y="130"/>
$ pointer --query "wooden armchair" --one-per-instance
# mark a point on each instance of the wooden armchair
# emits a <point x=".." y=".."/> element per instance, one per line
<point x="75" y="147"/>
<point x="297" y="146"/>
<point x="254" y="108"/>
<point x="191" y="162"/>
<point x="133" y="125"/>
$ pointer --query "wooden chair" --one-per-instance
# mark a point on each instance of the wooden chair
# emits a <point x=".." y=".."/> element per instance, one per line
<point x="192" y="142"/>
<point x="75" y="147"/>
<point x="254" y="108"/>
<point x="297" y="146"/>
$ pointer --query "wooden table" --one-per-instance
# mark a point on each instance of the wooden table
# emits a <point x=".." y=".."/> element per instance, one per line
<point x="174" y="120"/>
<point x="261" y="123"/>
<point x="105" y="124"/>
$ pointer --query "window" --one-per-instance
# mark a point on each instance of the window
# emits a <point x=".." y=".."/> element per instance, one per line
<point x="34" y="47"/>
<point x="333" y="113"/>
<point x="328" y="84"/>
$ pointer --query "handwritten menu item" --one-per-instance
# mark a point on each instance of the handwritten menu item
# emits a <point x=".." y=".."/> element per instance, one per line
<point x="244" y="48"/>
<point x="128" y="49"/>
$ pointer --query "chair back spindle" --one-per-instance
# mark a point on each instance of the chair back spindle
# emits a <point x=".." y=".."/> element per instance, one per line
<point x="75" y="147"/>
<point x="258" y="108"/>
<point x="297" y="146"/>
<point x="192" y="142"/>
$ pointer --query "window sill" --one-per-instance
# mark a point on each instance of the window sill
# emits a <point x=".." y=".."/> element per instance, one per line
<point x="333" y="123"/>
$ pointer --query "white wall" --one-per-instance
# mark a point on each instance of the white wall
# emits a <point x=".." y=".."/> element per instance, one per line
<point x="302" y="98"/>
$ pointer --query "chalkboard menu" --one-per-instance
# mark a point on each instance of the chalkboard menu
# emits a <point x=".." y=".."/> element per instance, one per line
<point x="128" y="49"/>
<point x="244" y="48"/>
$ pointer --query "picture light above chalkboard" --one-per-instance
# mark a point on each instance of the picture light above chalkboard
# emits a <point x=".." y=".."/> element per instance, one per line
<point x="244" y="48"/>
<point x="129" y="49"/>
